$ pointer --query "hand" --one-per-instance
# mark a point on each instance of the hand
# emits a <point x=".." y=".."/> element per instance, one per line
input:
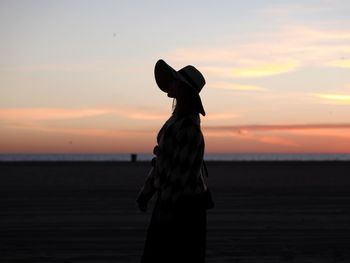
<point x="153" y="162"/>
<point x="142" y="206"/>
<point x="156" y="150"/>
<point x="142" y="202"/>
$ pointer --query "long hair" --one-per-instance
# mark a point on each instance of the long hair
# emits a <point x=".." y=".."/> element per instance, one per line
<point x="173" y="106"/>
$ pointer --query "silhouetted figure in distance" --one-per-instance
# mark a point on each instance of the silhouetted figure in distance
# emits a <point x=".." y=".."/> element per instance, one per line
<point x="177" y="230"/>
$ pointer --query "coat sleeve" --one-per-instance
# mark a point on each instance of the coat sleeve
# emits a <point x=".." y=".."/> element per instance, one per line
<point x="185" y="163"/>
<point x="148" y="189"/>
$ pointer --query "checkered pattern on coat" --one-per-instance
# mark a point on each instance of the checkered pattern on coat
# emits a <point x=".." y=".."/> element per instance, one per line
<point x="178" y="169"/>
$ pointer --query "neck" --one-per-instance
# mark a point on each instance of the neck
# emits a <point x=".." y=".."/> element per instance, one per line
<point x="181" y="112"/>
<point x="184" y="107"/>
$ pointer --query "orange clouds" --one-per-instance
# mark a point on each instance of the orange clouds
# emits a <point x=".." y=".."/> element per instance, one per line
<point x="30" y="115"/>
<point x="33" y="114"/>
<point x="220" y="116"/>
<point x="281" y="138"/>
<point x="45" y="139"/>
<point x="147" y="116"/>
<point x="51" y="129"/>
<point x="37" y="114"/>
<point x="27" y="130"/>
<point x="331" y="98"/>
<point x="242" y="128"/>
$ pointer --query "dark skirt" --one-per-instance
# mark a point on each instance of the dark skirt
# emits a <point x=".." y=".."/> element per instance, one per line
<point x="176" y="234"/>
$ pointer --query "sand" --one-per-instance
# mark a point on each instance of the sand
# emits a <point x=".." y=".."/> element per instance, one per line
<point x="86" y="212"/>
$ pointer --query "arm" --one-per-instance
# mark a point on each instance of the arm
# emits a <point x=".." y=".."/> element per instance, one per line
<point x="148" y="188"/>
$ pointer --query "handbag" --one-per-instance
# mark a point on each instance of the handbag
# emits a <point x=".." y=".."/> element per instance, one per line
<point x="203" y="200"/>
<point x="206" y="197"/>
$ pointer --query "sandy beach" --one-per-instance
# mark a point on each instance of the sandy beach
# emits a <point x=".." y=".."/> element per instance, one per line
<point x="86" y="212"/>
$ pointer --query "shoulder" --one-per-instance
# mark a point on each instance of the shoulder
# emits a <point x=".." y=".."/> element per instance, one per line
<point x="191" y="121"/>
<point x="189" y="129"/>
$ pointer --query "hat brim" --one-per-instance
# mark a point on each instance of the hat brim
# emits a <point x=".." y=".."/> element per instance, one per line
<point x="165" y="75"/>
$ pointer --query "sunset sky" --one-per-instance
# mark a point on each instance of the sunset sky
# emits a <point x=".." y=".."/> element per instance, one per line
<point x="77" y="76"/>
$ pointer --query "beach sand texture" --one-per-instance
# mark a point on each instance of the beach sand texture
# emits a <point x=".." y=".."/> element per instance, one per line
<point x="86" y="212"/>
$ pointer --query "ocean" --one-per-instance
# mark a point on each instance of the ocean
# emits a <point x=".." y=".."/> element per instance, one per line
<point x="101" y="157"/>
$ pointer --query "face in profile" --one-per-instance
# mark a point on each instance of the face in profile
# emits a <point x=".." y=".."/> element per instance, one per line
<point x="176" y="89"/>
<point x="173" y="89"/>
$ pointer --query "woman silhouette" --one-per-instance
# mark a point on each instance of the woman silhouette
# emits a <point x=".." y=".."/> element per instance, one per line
<point x="177" y="230"/>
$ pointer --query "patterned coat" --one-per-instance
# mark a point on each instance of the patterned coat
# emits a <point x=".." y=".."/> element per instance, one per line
<point x="178" y="167"/>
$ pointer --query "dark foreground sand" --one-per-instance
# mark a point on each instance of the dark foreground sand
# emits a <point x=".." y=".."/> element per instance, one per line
<point x="86" y="212"/>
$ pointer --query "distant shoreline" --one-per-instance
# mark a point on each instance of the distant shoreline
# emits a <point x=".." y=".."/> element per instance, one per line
<point x="222" y="162"/>
<point x="145" y="157"/>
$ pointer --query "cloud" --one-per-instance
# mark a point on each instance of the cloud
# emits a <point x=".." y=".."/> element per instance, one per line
<point x="331" y="98"/>
<point x="237" y="64"/>
<point x="330" y="133"/>
<point x="340" y="63"/>
<point x="43" y="114"/>
<point x="263" y="70"/>
<point x="255" y="70"/>
<point x="270" y="53"/>
<point x="287" y="135"/>
<point x="76" y="67"/>
<point x="270" y="140"/>
<point x="147" y="115"/>
<point x="257" y="132"/>
<point x="247" y="135"/>
<point x="220" y="116"/>
<point x="100" y="133"/>
<point x="36" y="114"/>
<point x="278" y="141"/>
<point x="235" y="86"/>
<point x="35" y="119"/>
<point x="244" y="129"/>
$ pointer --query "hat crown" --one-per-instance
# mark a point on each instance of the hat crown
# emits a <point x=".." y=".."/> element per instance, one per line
<point x="193" y="76"/>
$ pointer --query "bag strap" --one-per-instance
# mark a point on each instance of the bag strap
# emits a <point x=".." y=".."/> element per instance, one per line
<point x="205" y="168"/>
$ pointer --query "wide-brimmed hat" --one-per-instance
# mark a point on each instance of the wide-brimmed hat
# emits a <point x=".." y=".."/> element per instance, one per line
<point x="165" y="74"/>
